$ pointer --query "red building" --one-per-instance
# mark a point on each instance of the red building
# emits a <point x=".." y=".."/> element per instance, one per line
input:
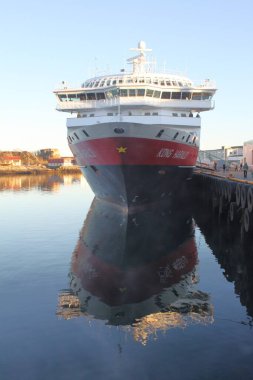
<point x="10" y="160"/>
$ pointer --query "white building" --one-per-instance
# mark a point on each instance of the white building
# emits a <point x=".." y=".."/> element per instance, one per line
<point x="61" y="162"/>
<point x="234" y="153"/>
<point x="248" y="153"/>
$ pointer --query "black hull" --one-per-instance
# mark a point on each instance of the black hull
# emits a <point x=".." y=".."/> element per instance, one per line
<point x="134" y="186"/>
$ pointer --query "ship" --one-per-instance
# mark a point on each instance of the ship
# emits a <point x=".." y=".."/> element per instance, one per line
<point x="135" y="135"/>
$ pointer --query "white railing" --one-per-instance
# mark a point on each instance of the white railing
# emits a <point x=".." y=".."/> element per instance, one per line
<point x="76" y="106"/>
<point x="137" y="119"/>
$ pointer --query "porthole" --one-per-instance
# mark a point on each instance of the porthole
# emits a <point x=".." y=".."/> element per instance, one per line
<point x="119" y="130"/>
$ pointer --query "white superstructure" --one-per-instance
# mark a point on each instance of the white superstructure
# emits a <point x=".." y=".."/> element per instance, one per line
<point x="128" y="122"/>
<point x="142" y="96"/>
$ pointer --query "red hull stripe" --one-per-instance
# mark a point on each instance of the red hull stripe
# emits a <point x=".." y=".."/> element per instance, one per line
<point x="134" y="151"/>
<point x="109" y="279"/>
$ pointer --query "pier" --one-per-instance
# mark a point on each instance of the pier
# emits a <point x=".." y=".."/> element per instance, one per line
<point x="227" y="194"/>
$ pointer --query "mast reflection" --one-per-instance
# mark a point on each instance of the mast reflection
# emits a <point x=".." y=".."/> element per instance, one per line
<point x="136" y="269"/>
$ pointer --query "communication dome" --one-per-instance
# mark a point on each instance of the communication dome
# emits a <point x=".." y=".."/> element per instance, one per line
<point x="142" y="45"/>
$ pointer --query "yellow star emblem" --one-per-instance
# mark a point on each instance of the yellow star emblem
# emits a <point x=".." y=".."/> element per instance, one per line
<point x="121" y="149"/>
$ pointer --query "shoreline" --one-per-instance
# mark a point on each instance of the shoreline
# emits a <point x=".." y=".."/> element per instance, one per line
<point x="35" y="170"/>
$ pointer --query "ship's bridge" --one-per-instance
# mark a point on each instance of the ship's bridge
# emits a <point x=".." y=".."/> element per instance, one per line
<point x="142" y="86"/>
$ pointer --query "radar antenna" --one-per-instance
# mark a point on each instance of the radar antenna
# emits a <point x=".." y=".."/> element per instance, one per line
<point x="139" y="61"/>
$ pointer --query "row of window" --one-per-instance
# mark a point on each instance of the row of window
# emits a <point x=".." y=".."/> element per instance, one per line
<point x="135" y="92"/>
<point x="105" y="82"/>
<point x="174" y="114"/>
<point x="75" y="136"/>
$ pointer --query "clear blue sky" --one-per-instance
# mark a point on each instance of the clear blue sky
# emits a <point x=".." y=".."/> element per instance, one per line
<point x="47" y="41"/>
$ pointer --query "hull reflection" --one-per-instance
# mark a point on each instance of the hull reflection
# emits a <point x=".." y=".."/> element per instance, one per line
<point x="135" y="268"/>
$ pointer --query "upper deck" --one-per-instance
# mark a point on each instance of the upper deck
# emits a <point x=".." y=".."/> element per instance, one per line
<point x="140" y="88"/>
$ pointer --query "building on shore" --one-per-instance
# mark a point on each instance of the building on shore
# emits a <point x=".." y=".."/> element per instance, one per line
<point x="45" y="154"/>
<point x="10" y="161"/>
<point x="61" y="162"/>
<point x="230" y="156"/>
<point x="248" y="153"/>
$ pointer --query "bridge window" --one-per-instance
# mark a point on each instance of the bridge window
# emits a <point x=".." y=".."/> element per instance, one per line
<point x="206" y="96"/>
<point x="157" y="94"/>
<point x="176" y="95"/>
<point x="83" y="96"/>
<point x="112" y="93"/>
<point x="100" y="95"/>
<point x="149" y="92"/>
<point x="71" y="97"/>
<point x="166" y="95"/>
<point x="123" y="92"/>
<point x="140" y="92"/>
<point x="131" y="92"/>
<point x="186" y="95"/>
<point x="196" y="96"/>
<point x="63" y="98"/>
<point x="91" y="96"/>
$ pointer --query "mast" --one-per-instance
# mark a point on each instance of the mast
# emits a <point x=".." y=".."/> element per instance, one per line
<point x="139" y="62"/>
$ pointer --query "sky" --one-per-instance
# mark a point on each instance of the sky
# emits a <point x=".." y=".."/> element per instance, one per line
<point x="43" y="42"/>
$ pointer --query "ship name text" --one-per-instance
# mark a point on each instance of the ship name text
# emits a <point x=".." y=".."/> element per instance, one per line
<point x="167" y="153"/>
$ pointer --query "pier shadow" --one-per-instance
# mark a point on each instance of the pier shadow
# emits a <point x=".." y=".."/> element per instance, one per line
<point x="233" y="250"/>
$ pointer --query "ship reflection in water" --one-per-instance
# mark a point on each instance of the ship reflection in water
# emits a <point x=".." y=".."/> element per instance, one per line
<point x="136" y="269"/>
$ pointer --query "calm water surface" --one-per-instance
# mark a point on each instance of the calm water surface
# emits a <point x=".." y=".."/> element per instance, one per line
<point x="88" y="292"/>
